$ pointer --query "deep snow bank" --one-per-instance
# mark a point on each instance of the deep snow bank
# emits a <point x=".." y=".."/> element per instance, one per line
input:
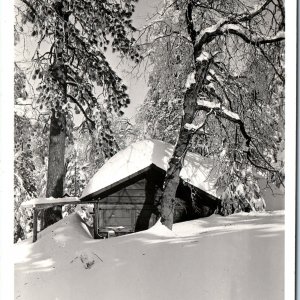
<point x="235" y="257"/>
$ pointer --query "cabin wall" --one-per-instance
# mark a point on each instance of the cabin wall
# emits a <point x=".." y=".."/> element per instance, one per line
<point x="133" y="194"/>
<point x="132" y="208"/>
<point x="135" y="207"/>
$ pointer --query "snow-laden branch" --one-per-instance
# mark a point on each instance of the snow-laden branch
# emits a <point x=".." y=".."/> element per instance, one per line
<point x="253" y="13"/>
<point x="250" y="38"/>
<point x="190" y="80"/>
<point x="217" y="107"/>
<point x="193" y="127"/>
<point x="231" y="25"/>
<point x="223" y="112"/>
<point x="203" y="56"/>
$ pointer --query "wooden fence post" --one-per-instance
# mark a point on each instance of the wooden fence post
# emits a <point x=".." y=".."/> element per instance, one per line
<point x="96" y="220"/>
<point x="34" y="233"/>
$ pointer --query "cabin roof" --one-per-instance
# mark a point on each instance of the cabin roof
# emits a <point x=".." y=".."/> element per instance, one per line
<point x="139" y="157"/>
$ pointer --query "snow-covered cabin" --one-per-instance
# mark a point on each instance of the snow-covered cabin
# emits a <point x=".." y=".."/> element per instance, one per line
<point x="127" y="187"/>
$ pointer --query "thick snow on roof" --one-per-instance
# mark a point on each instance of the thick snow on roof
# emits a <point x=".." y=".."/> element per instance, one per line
<point x="140" y="155"/>
<point x="49" y="201"/>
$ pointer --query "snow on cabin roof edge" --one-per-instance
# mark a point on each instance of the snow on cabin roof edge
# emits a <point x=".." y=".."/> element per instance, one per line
<point x="196" y="170"/>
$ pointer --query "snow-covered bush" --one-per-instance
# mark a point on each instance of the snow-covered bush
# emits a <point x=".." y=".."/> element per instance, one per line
<point x="241" y="194"/>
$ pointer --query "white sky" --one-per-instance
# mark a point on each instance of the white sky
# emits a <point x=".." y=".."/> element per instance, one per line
<point x="137" y="87"/>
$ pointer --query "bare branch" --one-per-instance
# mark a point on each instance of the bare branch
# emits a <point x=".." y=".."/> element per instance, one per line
<point x="282" y="78"/>
<point x="248" y="16"/>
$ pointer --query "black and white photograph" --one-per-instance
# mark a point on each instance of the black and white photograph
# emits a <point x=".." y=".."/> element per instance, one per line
<point x="152" y="150"/>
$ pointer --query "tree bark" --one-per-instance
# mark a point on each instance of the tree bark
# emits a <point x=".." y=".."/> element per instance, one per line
<point x="57" y="138"/>
<point x="56" y="166"/>
<point x="199" y="41"/>
<point x="176" y="162"/>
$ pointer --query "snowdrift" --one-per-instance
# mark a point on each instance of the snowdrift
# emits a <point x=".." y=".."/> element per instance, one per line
<point x="235" y="257"/>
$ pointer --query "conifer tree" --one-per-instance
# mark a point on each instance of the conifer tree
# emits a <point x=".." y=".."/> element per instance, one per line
<point x="72" y="73"/>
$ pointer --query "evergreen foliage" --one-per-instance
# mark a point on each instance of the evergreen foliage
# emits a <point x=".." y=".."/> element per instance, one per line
<point x="70" y="74"/>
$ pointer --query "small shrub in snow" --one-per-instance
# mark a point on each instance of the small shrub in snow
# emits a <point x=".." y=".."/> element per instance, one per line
<point x="87" y="259"/>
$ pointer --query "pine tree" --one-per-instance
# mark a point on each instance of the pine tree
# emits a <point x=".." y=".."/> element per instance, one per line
<point x="72" y="72"/>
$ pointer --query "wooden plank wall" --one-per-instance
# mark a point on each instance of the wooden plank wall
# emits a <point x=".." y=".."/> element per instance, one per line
<point x="121" y="208"/>
<point x="133" y="194"/>
<point x="134" y="206"/>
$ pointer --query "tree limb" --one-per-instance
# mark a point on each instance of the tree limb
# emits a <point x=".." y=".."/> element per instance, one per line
<point x="226" y="114"/>
<point x="231" y="25"/>
<point x="30" y="6"/>
<point x="248" y="16"/>
<point x="82" y="110"/>
<point x="256" y="41"/>
<point x="233" y="117"/>
<point x="189" y="21"/>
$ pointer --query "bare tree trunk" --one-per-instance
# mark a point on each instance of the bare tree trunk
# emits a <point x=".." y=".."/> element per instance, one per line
<point x="175" y="164"/>
<point x="56" y="166"/>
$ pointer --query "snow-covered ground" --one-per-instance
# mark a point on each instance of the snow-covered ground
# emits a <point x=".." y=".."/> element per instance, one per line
<point x="236" y="257"/>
